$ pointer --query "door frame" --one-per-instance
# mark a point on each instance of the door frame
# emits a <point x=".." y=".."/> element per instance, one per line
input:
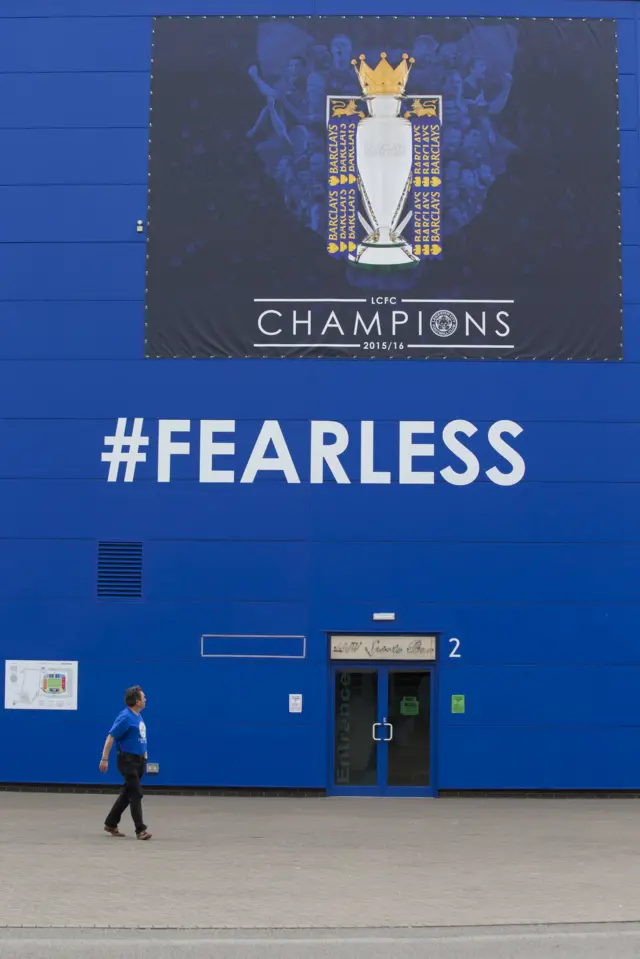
<point x="382" y="668"/>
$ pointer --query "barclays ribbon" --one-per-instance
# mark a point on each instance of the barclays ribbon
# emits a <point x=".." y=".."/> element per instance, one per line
<point x="426" y="177"/>
<point x="342" y="183"/>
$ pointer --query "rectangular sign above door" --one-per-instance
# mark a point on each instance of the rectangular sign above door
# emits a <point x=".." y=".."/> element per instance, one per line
<point x="384" y="647"/>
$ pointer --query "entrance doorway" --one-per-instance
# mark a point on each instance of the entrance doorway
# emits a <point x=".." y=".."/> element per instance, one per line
<point x="381" y="730"/>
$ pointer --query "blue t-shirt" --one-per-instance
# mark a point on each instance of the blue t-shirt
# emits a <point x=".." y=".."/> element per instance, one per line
<point x="130" y="733"/>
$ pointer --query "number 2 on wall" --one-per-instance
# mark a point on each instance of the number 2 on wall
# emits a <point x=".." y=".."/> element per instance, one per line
<point x="454" y="654"/>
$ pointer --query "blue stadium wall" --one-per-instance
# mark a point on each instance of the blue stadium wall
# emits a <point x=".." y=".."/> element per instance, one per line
<point x="539" y="581"/>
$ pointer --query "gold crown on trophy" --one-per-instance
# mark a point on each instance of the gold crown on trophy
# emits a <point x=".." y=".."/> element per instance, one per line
<point x="385" y="79"/>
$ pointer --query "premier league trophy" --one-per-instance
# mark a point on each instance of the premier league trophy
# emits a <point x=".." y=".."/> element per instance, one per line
<point x="381" y="157"/>
<point x="383" y="147"/>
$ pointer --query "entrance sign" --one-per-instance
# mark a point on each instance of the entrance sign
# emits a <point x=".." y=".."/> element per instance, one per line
<point x="37" y="684"/>
<point x="421" y="648"/>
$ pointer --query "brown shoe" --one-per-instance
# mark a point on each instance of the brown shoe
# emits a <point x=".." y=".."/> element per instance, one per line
<point x="143" y="835"/>
<point x="114" y="831"/>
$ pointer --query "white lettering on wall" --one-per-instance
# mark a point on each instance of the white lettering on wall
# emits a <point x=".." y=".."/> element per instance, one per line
<point x="329" y="453"/>
<point x="409" y="450"/>
<point x="167" y="447"/>
<point x="470" y="460"/>
<point x="323" y="452"/>
<point x="367" y="472"/>
<point x="512" y="457"/>
<point x="270" y="434"/>
<point x="209" y="449"/>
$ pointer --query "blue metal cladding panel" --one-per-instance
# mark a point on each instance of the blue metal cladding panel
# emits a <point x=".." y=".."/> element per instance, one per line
<point x="72" y="214"/>
<point x="479" y="8"/>
<point x="476" y="572"/>
<point x="90" y="156"/>
<point x="153" y="8"/>
<point x="538" y="581"/>
<point x="491" y="636"/>
<point x="71" y="100"/>
<point x="37" y="569"/>
<point x="247" y="646"/>
<point x="629" y="158"/>
<point x="588" y="756"/>
<point x="627" y="56"/>
<point x="74" y="44"/>
<point x="256" y="390"/>
<point x="628" y="87"/>
<point x="231" y="715"/>
<point x="72" y="271"/>
<point x="632" y="332"/>
<point x="81" y="330"/>
<point x="569" y="694"/>
<point x="531" y="512"/>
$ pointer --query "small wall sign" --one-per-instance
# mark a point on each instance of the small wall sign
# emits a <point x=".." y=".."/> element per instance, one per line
<point x="383" y="647"/>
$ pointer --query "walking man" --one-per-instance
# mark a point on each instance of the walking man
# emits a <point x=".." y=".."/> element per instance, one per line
<point x="129" y="733"/>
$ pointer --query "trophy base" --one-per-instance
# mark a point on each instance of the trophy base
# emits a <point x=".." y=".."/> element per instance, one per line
<point x="380" y="269"/>
<point x="385" y="254"/>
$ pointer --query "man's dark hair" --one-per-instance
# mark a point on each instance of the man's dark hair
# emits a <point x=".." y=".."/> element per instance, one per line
<point x="132" y="695"/>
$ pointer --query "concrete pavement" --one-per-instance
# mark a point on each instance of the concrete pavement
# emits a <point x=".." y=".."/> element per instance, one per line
<point x="240" y="863"/>
<point x="621" y="941"/>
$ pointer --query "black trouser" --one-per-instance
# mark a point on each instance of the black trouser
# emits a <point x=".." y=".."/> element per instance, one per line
<point x="131" y="767"/>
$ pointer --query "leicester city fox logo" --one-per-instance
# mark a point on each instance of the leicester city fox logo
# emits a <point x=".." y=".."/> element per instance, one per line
<point x="444" y="323"/>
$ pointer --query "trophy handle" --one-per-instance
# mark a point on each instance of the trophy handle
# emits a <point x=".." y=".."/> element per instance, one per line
<point x="403" y="199"/>
<point x="370" y="212"/>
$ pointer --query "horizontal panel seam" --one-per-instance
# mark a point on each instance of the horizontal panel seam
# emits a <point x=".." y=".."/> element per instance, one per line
<point x="31" y="72"/>
<point x="314" y="540"/>
<point x="63" y="126"/>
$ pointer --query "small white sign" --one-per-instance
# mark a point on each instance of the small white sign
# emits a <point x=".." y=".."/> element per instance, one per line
<point x="383" y="647"/>
<point x="295" y="702"/>
<point x="40" y="684"/>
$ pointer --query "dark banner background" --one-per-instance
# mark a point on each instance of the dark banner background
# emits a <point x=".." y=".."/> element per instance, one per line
<point x="531" y="186"/>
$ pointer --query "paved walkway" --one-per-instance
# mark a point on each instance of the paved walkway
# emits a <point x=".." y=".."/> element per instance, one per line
<point x="315" y="863"/>
<point x="621" y="941"/>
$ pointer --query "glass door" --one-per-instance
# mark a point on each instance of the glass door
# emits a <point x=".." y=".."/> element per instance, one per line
<point x="355" y="718"/>
<point x="381" y="731"/>
<point x="409" y="736"/>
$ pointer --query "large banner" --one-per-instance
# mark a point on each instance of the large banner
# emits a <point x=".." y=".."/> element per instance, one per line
<point x="384" y="187"/>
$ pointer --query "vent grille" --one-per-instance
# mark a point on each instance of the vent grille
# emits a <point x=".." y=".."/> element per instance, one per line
<point x="119" y="570"/>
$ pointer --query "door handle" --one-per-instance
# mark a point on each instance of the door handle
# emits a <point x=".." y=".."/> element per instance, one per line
<point x="390" y="736"/>
<point x="373" y="733"/>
